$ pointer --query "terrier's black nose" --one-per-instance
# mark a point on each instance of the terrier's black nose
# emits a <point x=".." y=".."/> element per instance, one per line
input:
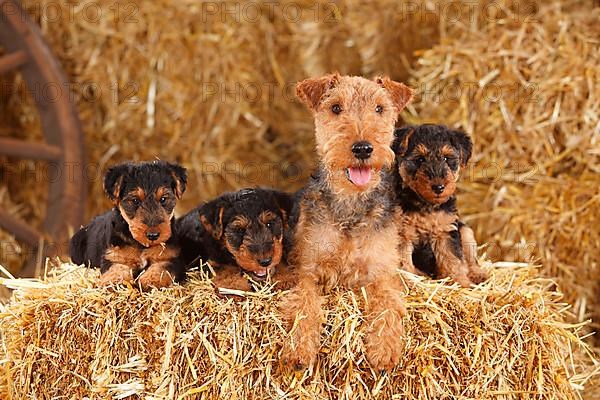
<point x="438" y="189"/>
<point x="362" y="150"/>
<point x="265" y="262"/>
<point x="152" y="235"/>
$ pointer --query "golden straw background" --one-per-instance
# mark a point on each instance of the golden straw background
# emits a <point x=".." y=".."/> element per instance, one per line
<point x="210" y="84"/>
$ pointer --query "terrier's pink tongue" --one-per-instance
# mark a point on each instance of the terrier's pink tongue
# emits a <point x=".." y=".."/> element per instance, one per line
<point x="261" y="273"/>
<point x="359" y="176"/>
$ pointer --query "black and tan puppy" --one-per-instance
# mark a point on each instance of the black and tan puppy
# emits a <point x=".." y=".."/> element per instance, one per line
<point x="134" y="241"/>
<point x="428" y="162"/>
<point x="239" y="233"/>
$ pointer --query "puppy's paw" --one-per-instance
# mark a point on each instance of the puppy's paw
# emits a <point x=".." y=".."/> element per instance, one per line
<point x="117" y="274"/>
<point x="408" y="266"/>
<point x="227" y="283"/>
<point x="156" y="276"/>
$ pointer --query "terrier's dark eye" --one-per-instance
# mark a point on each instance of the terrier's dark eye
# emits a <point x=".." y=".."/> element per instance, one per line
<point x="420" y="160"/>
<point x="163" y="200"/>
<point x="336" y="108"/>
<point x="451" y="161"/>
<point x="135" y="201"/>
<point x="270" y="224"/>
<point x="379" y="109"/>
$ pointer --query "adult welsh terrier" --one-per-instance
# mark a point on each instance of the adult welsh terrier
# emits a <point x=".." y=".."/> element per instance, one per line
<point x="344" y="233"/>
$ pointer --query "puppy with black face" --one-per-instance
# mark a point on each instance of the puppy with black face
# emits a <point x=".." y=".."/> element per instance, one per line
<point x="428" y="162"/>
<point x="134" y="242"/>
<point x="239" y="233"/>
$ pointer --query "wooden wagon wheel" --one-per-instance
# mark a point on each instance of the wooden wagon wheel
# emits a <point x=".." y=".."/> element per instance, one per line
<point x="25" y="50"/>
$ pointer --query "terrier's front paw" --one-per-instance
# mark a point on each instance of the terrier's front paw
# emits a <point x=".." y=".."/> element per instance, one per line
<point x="478" y="275"/>
<point x="463" y="280"/>
<point x="384" y="350"/>
<point x="156" y="276"/>
<point x="117" y="274"/>
<point x="299" y="357"/>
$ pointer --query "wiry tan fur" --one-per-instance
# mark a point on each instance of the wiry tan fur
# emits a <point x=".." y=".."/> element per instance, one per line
<point x="469" y="248"/>
<point x="435" y="226"/>
<point x="345" y="234"/>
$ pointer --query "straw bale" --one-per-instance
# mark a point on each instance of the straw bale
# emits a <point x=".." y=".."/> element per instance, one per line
<point x="214" y="90"/>
<point x="506" y="339"/>
<point x="24" y="179"/>
<point x="209" y="84"/>
<point x="528" y="93"/>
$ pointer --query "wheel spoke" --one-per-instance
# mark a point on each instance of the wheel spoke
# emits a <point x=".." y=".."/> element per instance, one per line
<point x="21" y="230"/>
<point x="28" y="150"/>
<point x="12" y="60"/>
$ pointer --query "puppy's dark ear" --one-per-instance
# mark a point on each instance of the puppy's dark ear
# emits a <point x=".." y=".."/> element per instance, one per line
<point x="401" y="94"/>
<point x="401" y="139"/>
<point x="78" y="246"/>
<point x="312" y="90"/>
<point x="211" y="217"/>
<point x="462" y="142"/>
<point x="179" y="175"/>
<point x="113" y="181"/>
<point x="285" y="202"/>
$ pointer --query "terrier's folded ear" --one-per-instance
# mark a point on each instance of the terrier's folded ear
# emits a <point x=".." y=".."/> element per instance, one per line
<point x="463" y="143"/>
<point x="401" y="94"/>
<point x="401" y="139"/>
<point x="114" y="181"/>
<point x="179" y="175"/>
<point x="312" y="90"/>
<point x="212" y="220"/>
<point x="285" y="203"/>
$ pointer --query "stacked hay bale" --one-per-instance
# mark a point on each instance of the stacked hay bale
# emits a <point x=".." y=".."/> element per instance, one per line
<point x="528" y="90"/>
<point x="200" y="91"/>
<point x="10" y="249"/>
<point x="505" y="339"/>
<point x="215" y="90"/>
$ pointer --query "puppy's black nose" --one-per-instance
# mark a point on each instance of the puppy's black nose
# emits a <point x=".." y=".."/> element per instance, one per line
<point x="265" y="262"/>
<point x="362" y="150"/>
<point x="152" y="235"/>
<point x="438" y="189"/>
